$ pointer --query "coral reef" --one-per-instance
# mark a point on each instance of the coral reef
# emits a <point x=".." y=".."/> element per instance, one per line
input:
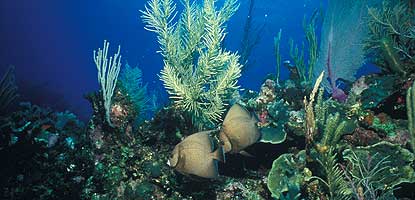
<point x="397" y="168"/>
<point x="288" y="141"/>
<point x="46" y="154"/>
<point x="288" y="173"/>
<point x="198" y="73"/>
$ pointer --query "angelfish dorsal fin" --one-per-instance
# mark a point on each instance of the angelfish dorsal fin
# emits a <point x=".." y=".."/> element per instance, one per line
<point x="236" y="111"/>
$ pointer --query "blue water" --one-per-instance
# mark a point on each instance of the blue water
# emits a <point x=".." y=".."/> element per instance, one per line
<point x="51" y="42"/>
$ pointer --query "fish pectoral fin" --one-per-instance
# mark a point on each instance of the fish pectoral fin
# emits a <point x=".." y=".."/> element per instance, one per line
<point x="225" y="141"/>
<point x="219" y="154"/>
<point x="244" y="153"/>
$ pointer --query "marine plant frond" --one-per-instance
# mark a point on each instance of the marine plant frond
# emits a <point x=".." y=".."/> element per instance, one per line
<point x="297" y="54"/>
<point x="393" y="18"/>
<point x="320" y="108"/>
<point x="277" y="53"/>
<point x="215" y="109"/>
<point x="229" y="8"/>
<point x="214" y="33"/>
<point x="158" y="17"/>
<point x="330" y="128"/>
<point x="363" y="174"/>
<point x="198" y="73"/>
<point x="250" y="38"/>
<point x="227" y="79"/>
<point x="173" y="83"/>
<point x="333" y="130"/>
<point x="391" y="40"/>
<point x="191" y="29"/>
<point x="311" y="38"/>
<point x="310" y="120"/>
<point x="306" y="69"/>
<point x="334" y="179"/>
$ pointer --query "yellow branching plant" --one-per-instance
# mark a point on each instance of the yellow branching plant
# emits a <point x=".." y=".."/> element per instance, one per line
<point x="198" y="73"/>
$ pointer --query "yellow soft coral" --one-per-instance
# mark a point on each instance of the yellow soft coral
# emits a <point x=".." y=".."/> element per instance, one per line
<point x="198" y="73"/>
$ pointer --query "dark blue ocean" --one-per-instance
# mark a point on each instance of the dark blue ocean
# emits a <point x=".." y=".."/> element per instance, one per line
<point x="51" y="43"/>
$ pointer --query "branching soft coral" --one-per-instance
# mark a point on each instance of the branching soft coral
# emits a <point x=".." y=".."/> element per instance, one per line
<point x="198" y="73"/>
<point x="392" y="37"/>
<point x="108" y="71"/>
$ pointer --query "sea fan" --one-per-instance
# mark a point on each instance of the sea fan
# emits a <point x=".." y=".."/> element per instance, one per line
<point x="132" y="84"/>
<point x="342" y="40"/>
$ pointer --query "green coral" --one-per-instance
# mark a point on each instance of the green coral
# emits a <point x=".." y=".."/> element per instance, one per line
<point x="275" y="132"/>
<point x="399" y="161"/>
<point x="198" y="73"/>
<point x="333" y="130"/>
<point x="287" y="174"/>
<point x="330" y="126"/>
<point x="364" y="175"/>
<point x="388" y="127"/>
<point x="327" y="128"/>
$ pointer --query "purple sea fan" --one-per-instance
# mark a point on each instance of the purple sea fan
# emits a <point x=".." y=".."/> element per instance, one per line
<point x="343" y="34"/>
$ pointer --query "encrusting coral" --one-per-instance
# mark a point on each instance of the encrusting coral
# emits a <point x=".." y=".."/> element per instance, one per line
<point x="198" y="73"/>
